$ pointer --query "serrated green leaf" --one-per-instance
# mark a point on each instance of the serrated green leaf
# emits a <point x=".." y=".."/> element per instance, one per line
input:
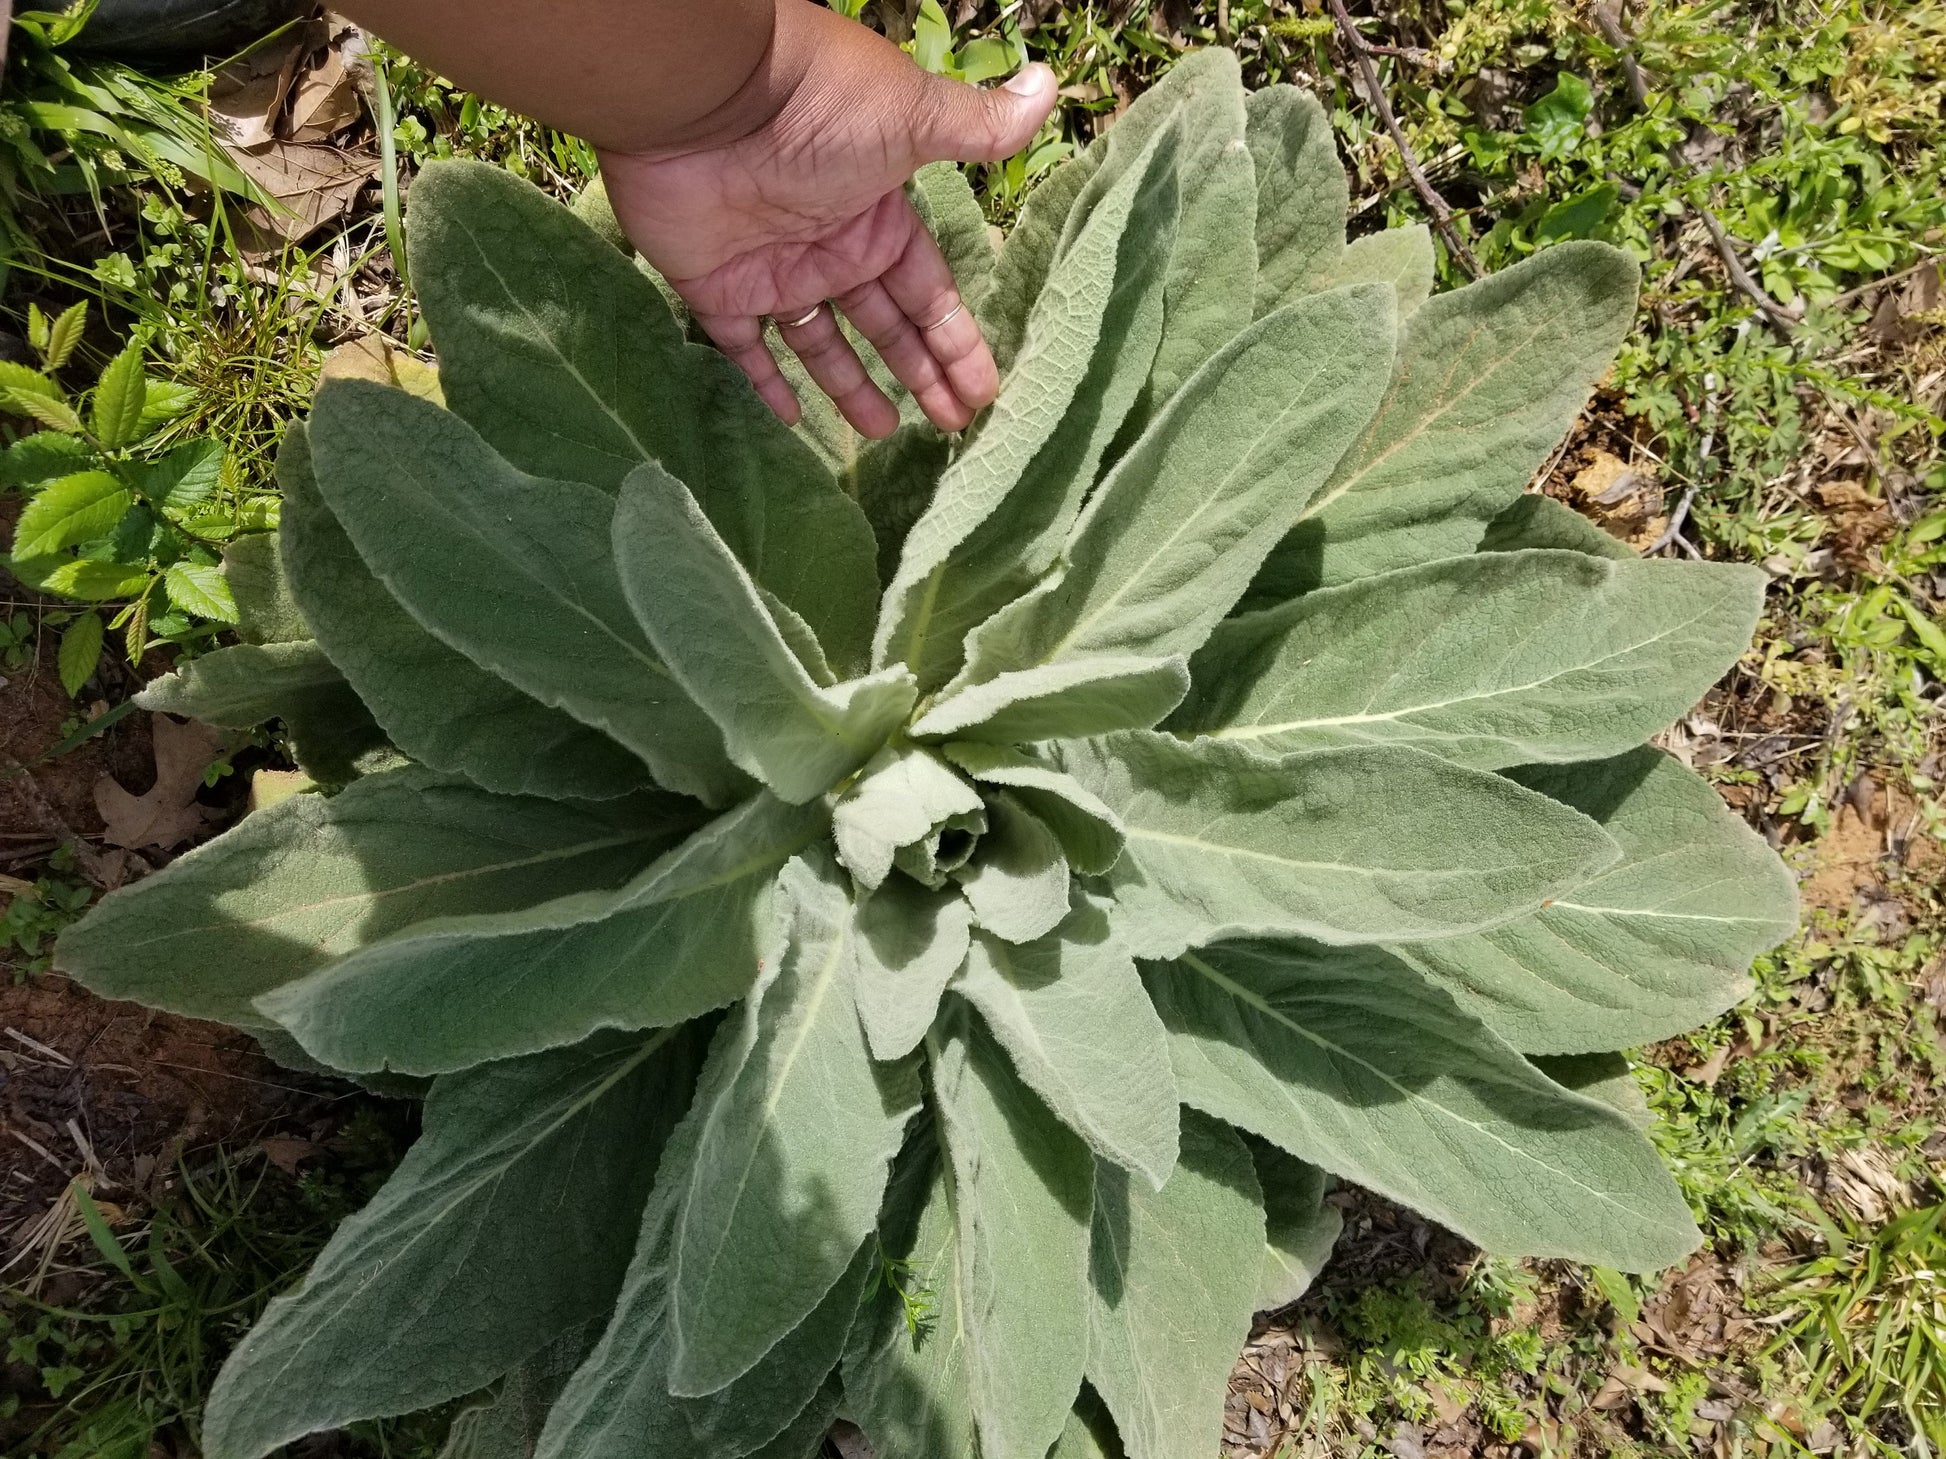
<point x="793" y="1154"/>
<point x="1017" y="884"/>
<point x="303" y="882"/>
<point x="618" y="1405"/>
<point x="685" y="936"/>
<point x="92" y="580"/>
<point x="1658" y="943"/>
<point x="1488" y="378"/>
<point x="703" y="617"/>
<point x="64" y="334"/>
<point x="1490" y="660"/>
<point x="267" y="612"/>
<point x="452" y="531"/>
<point x="200" y="588"/>
<point x="186" y="477"/>
<point x="1173" y="1279"/>
<point x="1540" y="521"/>
<point x="18" y="380"/>
<point x="163" y="401"/>
<point x="1401" y="257"/>
<point x="1020" y="1197"/>
<point x="1173" y="537"/>
<point x="904" y="795"/>
<point x="75" y="509"/>
<point x="37" y="328"/>
<point x="119" y="397"/>
<point x="1004" y="506"/>
<point x="1223" y="843"/>
<point x="480" y="1192"/>
<point x="1089" y="832"/>
<point x="55" y="414"/>
<point x="1060" y="701"/>
<point x="947" y="206"/>
<point x="80" y="652"/>
<point x="911" y="940"/>
<point x="1299" y="1228"/>
<point x="563" y="355"/>
<point x="43" y="456"/>
<point x="1348" y="1059"/>
<point x="242" y="686"/>
<point x="1302" y="196"/>
<point x="1070" y="1011"/>
<point x="437" y="705"/>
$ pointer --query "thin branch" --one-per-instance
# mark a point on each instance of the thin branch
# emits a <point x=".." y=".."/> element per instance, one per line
<point x="1931" y="260"/>
<point x="53" y="823"/>
<point x="1673" y="532"/>
<point x="1442" y="216"/>
<point x="1608" y="20"/>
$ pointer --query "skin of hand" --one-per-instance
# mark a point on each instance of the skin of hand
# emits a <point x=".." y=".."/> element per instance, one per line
<point x="791" y="194"/>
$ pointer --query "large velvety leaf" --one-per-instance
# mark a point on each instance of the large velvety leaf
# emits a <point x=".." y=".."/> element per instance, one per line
<point x="1070" y="1011"/>
<point x="1060" y="701"/>
<point x="434" y="703"/>
<point x="509" y="1221"/>
<point x="1534" y="520"/>
<point x="1174" y="535"/>
<point x="705" y="620"/>
<point x="1089" y="832"/>
<point x="1302" y="196"/>
<point x="1299" y="1228"/>
<point x="682" y="938"/>
<point x="946" y="204"/>
<point x="1090" y="1431"/>
<point x="1401" y="257"/>
<point x="1490" y="660"/>
<point x="310" y="879"/>
<point x="513" y="570"/>
<point x="1337" y="845"/>
<point x="562" y="353"/>
<point x="1005" y="505"/>
<point x="1347" y="1058"/>
<point x="618" y="1404"/>
<point x="1488" y="378"/>
<point x="792" y="1156"/>
<point x="1028" y="253"/>
<point x="508" y="1424"/>
<point x="1017" y="884"/>
<point x="905" y="794"/>
<point x="267" y="611"/>
<point x="1658" y="943"/>
<point x="1212" y="274"/>
<point x="1020" y="1198"/>
<point x="1174" y="1280"/>
<point x="245" y="684"/>
<point x="911" y="940"/>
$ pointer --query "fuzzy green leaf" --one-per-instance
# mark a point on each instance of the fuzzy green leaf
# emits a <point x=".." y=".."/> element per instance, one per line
<point x="1020" y="1201"/>
<point x="1401" y="257"/>
<point x="1299" y="1228"/>
<point x="905" y="795"/>
<point x="1339" y="845"/>
<point x="242" y="686"/>
<point x="267" y="611"/>
<point x="1658" y="943"/>
<point x="1090" y="1432"/>
<point x="946" y="204"/>
<point x="1070" y="1011"/>
<point x="682" y="938"/>
<point x="563" y="355"/>
<point x="310" y="879"/>
<point x="703" y="617"/>
<point x="1540" y="521"/>
<point x="1302" y="196"/>
<point x="1027" y="255"/>
<point x="1060" y="701"/>
<point x="1174" y="1279"/>
<point x="1173" y="537"/>
<point x="1488" y="378"/>
<point x="1352" y="1061"/>
<point x="470" y="1246"/>
<point x="75" y="509"/>
<point x="1018" y="884"/>
<point x="793" y="1153"/>
<point x="1089" y="832"/>
<point x="436" y="704"/>
<point x="455" y="533"/>
<point x="911" y="940"/>
<point x="1491" y="660"/>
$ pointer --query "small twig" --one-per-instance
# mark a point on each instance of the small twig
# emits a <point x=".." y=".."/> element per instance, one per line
<point x="1442" y="215"/>
<point x="1608" y="20"/>
<point x="1222" y="22"/>
<point x="1931" y="260"/>
<point x="1673" y="532"/>
<point x="54" y="824"/>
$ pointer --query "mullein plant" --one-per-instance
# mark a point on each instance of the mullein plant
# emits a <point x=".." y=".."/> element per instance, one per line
<point x="908" y="930"/>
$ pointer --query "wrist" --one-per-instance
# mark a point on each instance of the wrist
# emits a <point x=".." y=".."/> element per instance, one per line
<point x="779" y="68"/>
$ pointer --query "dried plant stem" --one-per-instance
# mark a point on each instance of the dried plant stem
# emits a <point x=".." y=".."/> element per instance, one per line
<point x="1442" y="215"/>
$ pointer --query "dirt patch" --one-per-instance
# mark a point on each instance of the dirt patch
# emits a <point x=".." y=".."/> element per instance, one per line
<point x="1876" y="839"/>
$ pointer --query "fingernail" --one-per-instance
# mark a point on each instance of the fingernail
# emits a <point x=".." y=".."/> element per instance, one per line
<point x="1024" y="82"/>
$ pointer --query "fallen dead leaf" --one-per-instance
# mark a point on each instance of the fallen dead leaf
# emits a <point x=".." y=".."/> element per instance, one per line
<point x="313" y="185"/>
<point x="247" y="96"/>
<point x="287" y="1152"/>
<point x="324" y="101"/>
<point x="168" y="813"/>
<point x="373" y="357"/>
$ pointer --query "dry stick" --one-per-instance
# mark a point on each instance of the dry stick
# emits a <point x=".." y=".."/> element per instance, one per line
<point x="1608" y="21"/>
<point x="54" y="824"/>
<point x="1442" y="216"/>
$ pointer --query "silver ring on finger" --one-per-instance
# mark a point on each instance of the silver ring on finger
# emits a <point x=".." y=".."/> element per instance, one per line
<point x="945" y="319"/>
<point x="809" y="314"/>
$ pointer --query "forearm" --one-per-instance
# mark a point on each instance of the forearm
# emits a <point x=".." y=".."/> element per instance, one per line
<point x="629" y="75"/>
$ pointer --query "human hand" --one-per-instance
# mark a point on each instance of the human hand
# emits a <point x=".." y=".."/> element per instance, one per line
<point x="793" y="196"/>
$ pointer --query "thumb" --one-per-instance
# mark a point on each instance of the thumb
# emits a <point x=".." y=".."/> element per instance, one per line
<point x="961" y="123"/>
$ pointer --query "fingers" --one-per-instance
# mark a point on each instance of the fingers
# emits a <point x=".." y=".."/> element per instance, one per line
<point x="835" y="366"/>
<point x="742" y="339"/>
<point x="962" y="123"/>
<point x="921" y="284"/>
<point x="899" y="343"/>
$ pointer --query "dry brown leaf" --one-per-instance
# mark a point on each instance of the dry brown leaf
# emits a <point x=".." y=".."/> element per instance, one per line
<point x="373" y="357"/>
<point x="287" y="1152"/>
<point x="247" y="96"/>
<point x="313" y="184"/>
<point x="168" y="813"/>
<point x="324" y="101"/>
